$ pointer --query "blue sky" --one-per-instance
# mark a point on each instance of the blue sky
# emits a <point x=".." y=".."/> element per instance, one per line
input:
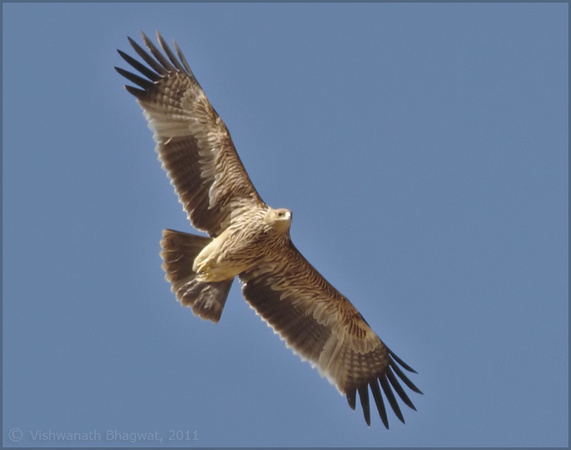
<point x="423" y="149"/>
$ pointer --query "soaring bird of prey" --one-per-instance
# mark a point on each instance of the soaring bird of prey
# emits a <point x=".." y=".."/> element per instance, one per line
<point x="250" y="240"/>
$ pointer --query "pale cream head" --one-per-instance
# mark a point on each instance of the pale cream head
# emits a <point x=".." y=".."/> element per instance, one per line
<point x="280" y="219"/>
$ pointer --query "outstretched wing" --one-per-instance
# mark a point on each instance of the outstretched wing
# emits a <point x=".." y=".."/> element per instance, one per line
<point x="193" y="143"/>
<point x="324" y="328"/>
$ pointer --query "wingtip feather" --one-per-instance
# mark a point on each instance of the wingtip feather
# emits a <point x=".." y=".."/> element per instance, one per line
<point x="379" y="402"/>
<point x="351" y="399"/>
<point x="391" y="398"/>
<point x="364" y="397"/>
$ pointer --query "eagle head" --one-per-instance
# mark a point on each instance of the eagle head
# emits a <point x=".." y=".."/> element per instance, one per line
<point x="279" y="219"/>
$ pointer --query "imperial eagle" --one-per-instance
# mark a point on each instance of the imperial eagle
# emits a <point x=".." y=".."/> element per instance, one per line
<point x="250" y="240"/>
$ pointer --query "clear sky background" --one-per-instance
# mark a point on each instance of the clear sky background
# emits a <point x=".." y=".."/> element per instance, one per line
<point x="423" y="149"/>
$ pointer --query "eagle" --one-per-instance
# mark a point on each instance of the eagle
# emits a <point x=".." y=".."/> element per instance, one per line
<point x="250" y="240"/>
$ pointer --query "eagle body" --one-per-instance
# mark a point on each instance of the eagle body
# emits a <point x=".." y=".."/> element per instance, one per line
<point x="249" y="240"/>
<point x="254" y="236"/>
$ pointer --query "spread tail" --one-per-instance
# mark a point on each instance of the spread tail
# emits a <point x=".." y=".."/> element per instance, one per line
<point x="178" y="252"/>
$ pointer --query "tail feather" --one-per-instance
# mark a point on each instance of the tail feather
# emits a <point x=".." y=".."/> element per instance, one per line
<point x="178" y="252"/>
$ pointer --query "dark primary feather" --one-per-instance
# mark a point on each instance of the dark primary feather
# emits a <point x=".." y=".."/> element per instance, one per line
<point x="170" y="54"/>
<point x="146" y="57"/>
<point x="151" y="75"/>
<point x="157" y="54"/>
<point x="364" y="397"/>
<point x="145" y="84"/>
<point x="398" y="388"/>
<point x="379" y="402"/>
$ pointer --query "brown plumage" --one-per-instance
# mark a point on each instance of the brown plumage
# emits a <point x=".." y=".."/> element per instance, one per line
<point x="250" y="240"/>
